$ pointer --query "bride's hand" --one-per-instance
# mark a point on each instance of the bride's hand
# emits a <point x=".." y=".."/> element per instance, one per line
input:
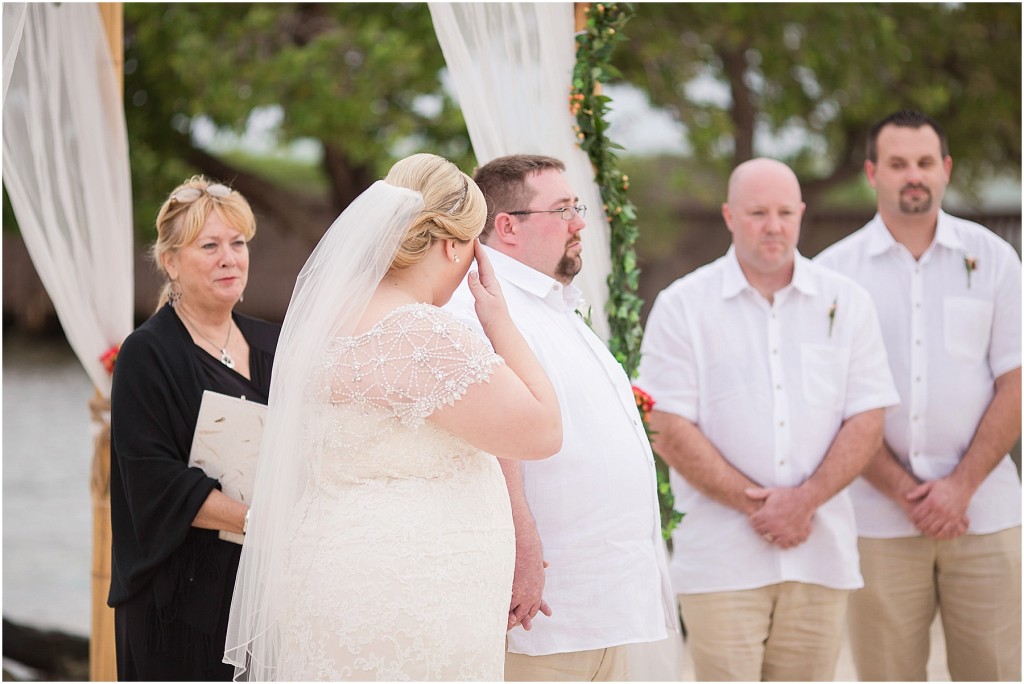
<point x="483" y="283"/>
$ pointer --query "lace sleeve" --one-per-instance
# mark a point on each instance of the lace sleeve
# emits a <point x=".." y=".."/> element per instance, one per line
<point x="416" y="360"/>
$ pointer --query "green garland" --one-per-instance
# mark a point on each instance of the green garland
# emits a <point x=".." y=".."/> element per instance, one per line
<point x="594" y="47"/>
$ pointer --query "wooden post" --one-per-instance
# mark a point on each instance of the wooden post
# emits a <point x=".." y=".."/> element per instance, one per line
<point x="580" y="12"/>
<point x="102" y="658"/>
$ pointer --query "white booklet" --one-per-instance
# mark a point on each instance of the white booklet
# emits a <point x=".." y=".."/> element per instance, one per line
<point x="226" y="445"/>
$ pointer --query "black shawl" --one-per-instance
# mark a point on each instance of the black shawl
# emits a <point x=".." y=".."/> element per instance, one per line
<point x="158" y="384"/>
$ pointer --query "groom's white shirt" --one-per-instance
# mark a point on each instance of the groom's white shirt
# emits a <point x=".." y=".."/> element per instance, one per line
<point x="595" y="502"/>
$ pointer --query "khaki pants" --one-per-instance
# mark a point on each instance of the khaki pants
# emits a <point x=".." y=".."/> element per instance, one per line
<point x="601" y="665"/>
<point x="783" y="632"/>
<point x="974" y="580"/>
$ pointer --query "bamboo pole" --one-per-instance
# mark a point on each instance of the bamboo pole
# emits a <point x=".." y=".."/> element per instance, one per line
<point x="102" y="656"/>
<point x="580" y="12"/>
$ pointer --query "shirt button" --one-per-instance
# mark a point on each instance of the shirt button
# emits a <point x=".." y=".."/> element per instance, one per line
<point x="775" y="351"/>
<point x="782" y="462"/>
<point x="782" y="423"/>
<point x="917" y="342"/>
<point x="913" y="418"/>
<point x="917" y="379"/>
<point x="778" y="387"/>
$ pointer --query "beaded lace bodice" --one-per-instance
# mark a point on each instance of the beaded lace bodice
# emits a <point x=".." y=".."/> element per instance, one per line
<point x="378" y="388"/>
<point x="399" y="564"/>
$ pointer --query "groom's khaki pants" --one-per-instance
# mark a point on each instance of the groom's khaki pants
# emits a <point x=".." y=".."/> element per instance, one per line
<point x="601" y="665"/>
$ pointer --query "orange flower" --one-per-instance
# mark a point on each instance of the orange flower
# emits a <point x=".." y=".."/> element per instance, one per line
<point x="644" y="402"/>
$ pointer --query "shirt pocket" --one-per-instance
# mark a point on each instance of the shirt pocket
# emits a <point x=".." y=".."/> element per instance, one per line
<point x="967" y="327"/>
<point x="823" y="367"/>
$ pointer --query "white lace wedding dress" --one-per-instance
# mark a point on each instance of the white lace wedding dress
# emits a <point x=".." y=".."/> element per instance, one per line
<point x="401" y="551"/>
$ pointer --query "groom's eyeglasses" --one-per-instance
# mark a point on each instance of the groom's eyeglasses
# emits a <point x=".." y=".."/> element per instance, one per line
<point x="568" y="213"/>
<point x="186" y="195"/>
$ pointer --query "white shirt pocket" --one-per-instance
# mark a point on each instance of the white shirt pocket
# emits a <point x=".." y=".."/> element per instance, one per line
<point x="823" y="368"/>
<point x="967" y="327"/>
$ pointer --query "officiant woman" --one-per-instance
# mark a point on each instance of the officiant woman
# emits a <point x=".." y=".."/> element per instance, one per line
<point x="172" y="576"/>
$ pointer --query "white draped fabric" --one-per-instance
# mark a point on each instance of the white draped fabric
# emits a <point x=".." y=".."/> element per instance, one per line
<point x="65" y="167"/>
<point x="511" y="65"/>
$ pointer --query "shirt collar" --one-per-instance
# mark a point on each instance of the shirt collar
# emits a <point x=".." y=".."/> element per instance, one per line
<point x="734" y="282"/>
<point x="946" y="235"/>
<point x="533" y="281"/>
<point x="880" y="240"/>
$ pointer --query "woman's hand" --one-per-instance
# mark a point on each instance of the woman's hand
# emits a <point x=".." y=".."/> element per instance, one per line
<point x="483" y="283"/>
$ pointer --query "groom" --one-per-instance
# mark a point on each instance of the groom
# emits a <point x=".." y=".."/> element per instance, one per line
<point x="591" y="510"/>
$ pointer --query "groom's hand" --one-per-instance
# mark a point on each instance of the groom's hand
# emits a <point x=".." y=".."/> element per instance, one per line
<point x="528" y="582"/>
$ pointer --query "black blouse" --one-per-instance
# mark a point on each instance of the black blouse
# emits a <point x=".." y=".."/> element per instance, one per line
<point x="158" y="385"/>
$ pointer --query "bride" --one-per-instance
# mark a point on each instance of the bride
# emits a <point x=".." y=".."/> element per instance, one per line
<point x="381" y="544"/>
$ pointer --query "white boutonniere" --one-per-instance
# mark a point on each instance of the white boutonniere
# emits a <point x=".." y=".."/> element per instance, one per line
<point x="585" y="312"/>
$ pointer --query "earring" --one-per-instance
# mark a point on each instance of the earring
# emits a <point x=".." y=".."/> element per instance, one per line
<point x="241" y="297"/>
<point x="456" y="259"/>
<point x="174" y="294"/>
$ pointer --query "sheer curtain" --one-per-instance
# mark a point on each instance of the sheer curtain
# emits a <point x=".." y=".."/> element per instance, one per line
<point x="65" y="167"/>
<point x="511" y="65"/>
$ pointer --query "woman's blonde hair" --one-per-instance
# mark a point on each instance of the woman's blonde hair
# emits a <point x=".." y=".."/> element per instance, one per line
<point x="184" y="213"/>
<point x="453" y="206"/>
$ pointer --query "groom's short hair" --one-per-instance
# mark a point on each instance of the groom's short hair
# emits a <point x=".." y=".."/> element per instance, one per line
<point x="503" y="182"/>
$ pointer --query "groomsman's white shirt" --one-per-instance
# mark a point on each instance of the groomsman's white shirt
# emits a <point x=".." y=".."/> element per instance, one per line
<point x="769" y="385"/>
<point x="595" y="502"/>
<point x="949" y="334"/>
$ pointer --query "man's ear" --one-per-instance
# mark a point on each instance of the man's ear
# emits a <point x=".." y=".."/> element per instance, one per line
<point x="869" y="171"/>
<point x="506" y="229"/>
<point x="727" y="215"/>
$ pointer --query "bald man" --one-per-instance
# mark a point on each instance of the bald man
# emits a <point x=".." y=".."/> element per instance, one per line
<point x="770" y="378"/>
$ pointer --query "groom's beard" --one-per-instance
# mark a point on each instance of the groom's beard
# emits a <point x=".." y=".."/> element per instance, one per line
<point x="569" y="266"/>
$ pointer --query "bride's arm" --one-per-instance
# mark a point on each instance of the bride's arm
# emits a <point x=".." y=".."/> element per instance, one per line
<point x="515" y="415"/>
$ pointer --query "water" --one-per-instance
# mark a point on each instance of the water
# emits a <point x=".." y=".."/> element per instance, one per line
<point x="47" y="509"/>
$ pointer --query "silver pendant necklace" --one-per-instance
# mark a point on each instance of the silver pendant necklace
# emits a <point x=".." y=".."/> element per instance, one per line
<point x="225" y="358"/>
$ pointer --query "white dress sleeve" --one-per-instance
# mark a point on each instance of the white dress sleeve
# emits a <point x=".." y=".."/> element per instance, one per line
<point x="416" y="360"/>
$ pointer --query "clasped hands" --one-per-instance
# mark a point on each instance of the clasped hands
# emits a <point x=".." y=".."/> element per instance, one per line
<point x="938" y="508"/>
<point x="781" y="515"/>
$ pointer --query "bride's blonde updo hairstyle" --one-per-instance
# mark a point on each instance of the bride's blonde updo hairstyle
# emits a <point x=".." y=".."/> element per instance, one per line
<point x="453" y="206"/>
<point x="182" y="216"/>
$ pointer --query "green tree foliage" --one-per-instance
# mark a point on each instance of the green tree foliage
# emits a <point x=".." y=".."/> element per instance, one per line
<point x="823" y="73"/>
<point x="363" y="79"/>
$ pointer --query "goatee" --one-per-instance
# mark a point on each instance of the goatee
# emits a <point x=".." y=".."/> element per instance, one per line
<point x="920" y="206"/>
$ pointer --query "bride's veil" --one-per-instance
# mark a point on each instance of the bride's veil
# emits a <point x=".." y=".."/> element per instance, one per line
<point x="330" y="296"/>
